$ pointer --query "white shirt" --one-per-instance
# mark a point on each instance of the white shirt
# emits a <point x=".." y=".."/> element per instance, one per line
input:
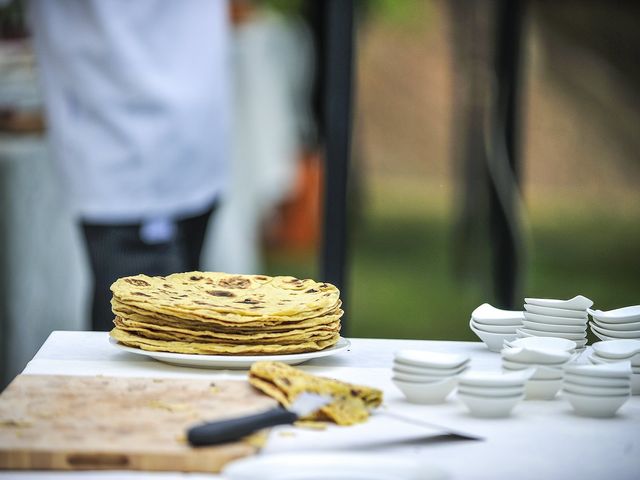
<point x="136" y="95"/>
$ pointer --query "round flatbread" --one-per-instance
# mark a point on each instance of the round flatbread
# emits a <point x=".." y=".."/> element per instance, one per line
<point x="243" y="295"/>
<point x="217" y="348"/>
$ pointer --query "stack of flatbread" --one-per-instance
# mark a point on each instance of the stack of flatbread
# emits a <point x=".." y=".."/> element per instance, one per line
<point x="224" y="314"/>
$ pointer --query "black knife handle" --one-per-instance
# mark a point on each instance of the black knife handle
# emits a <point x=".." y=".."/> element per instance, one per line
<point x="228" y="430"/>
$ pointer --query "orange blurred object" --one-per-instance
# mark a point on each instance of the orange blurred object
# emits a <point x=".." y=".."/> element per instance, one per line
<point x="297" y="222"/>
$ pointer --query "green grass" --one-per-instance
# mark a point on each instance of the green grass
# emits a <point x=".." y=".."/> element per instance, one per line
<point x="401" y="283"/>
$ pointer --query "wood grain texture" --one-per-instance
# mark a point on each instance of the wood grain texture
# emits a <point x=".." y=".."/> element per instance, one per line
<point x="90" y="423"/>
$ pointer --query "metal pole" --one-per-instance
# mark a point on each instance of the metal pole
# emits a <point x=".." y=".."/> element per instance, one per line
<point x="338" y="93"/>
<point x="504" y="161"/>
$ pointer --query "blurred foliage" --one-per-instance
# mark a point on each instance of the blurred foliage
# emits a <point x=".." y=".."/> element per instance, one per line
<point x="404" y="12"/>
<point x="286" y="6"/>
<point x="407" y="13"/>
<point x="401" y="284"/>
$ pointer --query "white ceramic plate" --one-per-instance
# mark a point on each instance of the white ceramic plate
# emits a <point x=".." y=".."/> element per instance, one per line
<point x="614" y="333"/>
<point x="610" y="370"/>
<point x="491" y="391"/>
<point x="423" y="358"/>
<point x="569" y="336"/>
<point x="332" y="466"/>
<point x="494" y="341"/>
<point x="633" y="359"/>
<point x="546" y="327"/>
<point x="232" y="361"/>
<point x="541" y="372"/>
<point x="618" y="327"/>
<point x="502" y="329"/>
<point x="553" y="343"/>
<point x="621" y="349"/>
<point x="596" y="381"/>
<point x="604" y="337"/>
<point x="576" y="303"/>
<point x="551" y="320"/>
<point x="538" y="356"/>
<point x="598" y="360"/>
<point x="624" y="314"/>
<point x="555" y="312"/>
<point x="597" y="390"/>
<point x="404" y="368"/>
<point x="491" y="378"/>
<point x="490" y="315"/>
<point x="424" y="374"/>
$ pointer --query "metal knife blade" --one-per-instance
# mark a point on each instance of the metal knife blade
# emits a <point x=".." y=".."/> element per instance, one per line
<point x="435" y="426"/>
<point x="228" y="430"/>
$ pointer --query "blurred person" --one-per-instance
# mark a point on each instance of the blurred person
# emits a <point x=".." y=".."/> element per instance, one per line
<point x="273" y="72"/>
<point x="136" y="104"/>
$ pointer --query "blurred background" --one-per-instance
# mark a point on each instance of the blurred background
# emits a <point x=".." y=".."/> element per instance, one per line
<point x="422" y="192"/>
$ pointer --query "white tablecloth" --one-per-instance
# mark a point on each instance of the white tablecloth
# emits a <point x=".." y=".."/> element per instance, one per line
<point x="541" y="440"/>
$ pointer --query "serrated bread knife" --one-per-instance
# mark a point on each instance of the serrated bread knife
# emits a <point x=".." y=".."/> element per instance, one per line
<point x="222" y="431"/>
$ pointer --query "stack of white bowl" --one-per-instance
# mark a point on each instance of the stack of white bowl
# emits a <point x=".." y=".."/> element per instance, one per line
<point x="614" y="324"/>
<point x="548" y="363"/>
<point x="492" y="394"/>
<point x="493" y="326"/>
<point x="427" y="377"/>
<point x="545" y="317"/>
<point x="613" y="351"/>
<point x="597" y="390"/>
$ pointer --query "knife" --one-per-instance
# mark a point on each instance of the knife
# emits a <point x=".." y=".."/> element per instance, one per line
<point x="415" y="421"/>
<point x="222" y="431"/>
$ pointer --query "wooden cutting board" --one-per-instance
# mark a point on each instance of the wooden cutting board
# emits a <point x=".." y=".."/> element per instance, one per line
<point x="87" y="423"/>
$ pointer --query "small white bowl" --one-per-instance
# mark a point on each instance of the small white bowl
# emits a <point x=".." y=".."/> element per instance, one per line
<point x="542" y="389"/>
<point x="550" y="343"/>
<point x="633" y="360"/>
<point x="489" y="407"/>
<point x="491" y="391"/>
<point x="590" y="406"/>
<point x="539" y="356"/>
<point x="633" y="334"/>
<point x="610" y="370"/>
<point x="576" y="303"/>
<point x="423" y="358"/>
<point x="490" y="315"/>
<point x="596" y="390"/>
<point x="551" y="320"/>
<point x="492" y="378"/>
<point x="622" y="349"/>
<point x="542" y="372"/>
<point x="589" y="381"/>
<point x="426" y="393"/>
<point x="546" y="327"/>
<point x="428" y="372"/>
<point x="596" y="360"/>
<point x="412" y="377"/>
<point x="624" y="314"/>
<point x="493" y="341"/>
<point x="556" y="312"/>
<point x="496" y="328"/>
